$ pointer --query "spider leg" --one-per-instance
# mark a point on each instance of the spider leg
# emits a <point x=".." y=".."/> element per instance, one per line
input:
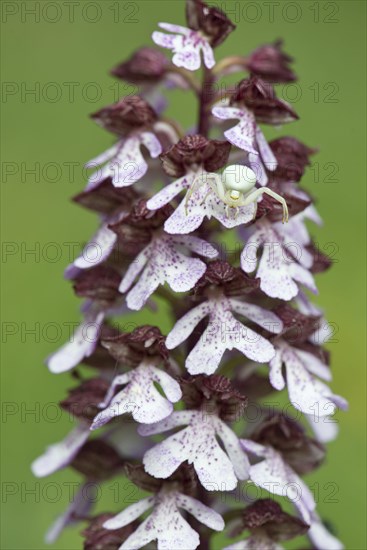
<point x="282" y="202"/>
<point x="197" y="181"/>
<point x="256" y="194"/>
<point x="206" y="196"/>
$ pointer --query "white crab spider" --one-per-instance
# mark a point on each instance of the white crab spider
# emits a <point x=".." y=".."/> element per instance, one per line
<point x="235" y="187"/>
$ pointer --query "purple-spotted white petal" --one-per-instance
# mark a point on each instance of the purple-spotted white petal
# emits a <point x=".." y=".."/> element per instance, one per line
<point x="277" y="269"/>
<point x="197" y="443"/>
<point x="306" y="393"/>
<point x="224" y="332"/>
<point x="82" y="344"/>
<point x="274" y="475"/>
<point x="125" y="162"/>
<point x="325" y="428"/>
<point x="259" y="541"/>
<point x="60" y="454"/>
<point x="95" y="252"/>
<point x="140" y="396"/>
<point x="246" y="135"/>
<point x="296" y="237"/>
<point x="165" y="524"/>
<point x="321" y="538"/>
<point x="187" y="46"/>
<point x="202" y="203"/>
<point x="168" y="193"/>
<point x="164" y="261"/>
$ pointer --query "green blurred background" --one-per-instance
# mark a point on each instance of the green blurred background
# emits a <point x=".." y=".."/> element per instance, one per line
<point x="63" y="51"/>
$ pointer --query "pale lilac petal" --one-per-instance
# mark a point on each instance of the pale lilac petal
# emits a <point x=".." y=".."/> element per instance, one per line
<point x="134" y="269"/>
<point x="121" y="404"/>
<point x="325" y="428"/>
<point x="302" y="276"/>
<point x="169" y="192"/>
<point x="262" y="317"/>
<point x="199" y="246"/>
<point x="186" y="325"/>
<point x="129" y="165"/>
<point x="277" y="272"/>
<point x="60" y="454"/>
<point x="243" y="134"/>
<point x="182" y="222"/>
<point x="296" y="235"/>
<point x="321" y="538"/>
<point x="212" y="465"/>
<point x="102" y="173"/>
<point x="306" y="393"/>
<point x="254" y="448"/>
<point x="97" y="177"/>
<point x="168" y="527"/>
<point x="323" y="334"/>
<point x="266" y="153"/>
<point x="130" y="514"/>
<point x="276" y="376"/>
<point x="171" y="27"/>
<point x="152" y="143"/>
<point x="164" y="264"/>
<point x="151" y="407"/>
<point x="97" y="250"/>
<point x="242" y="138"/>
<point x="198" y="445"/>
<point x="119" y="380"/>
<point x="79" y="507"/>
<point x="186" y="46"/>
<point x="214" y="206"/>
<point x="249" y="253"/>
<point x="339" y="401"/>
<point x="255" y="542"/>
<point x="187" y="56"/>
<point x="208" y="55"/>
<point x="275" y="476"/>
<point x="274" y="273"/>
<point x="234" y="450"/>
<point x="314" y="365"/>
<point x="256" y="164"/>
<point x="253" y="345"/>
<point x="165" y="40"/>
<point x="293" y="243"/>
<point x="204" y="202"/>
<point x="177" y="418"/>
<point x="141" y="537"/>
<point x="146" y="285"/>
<point x="227" y="113"/>
<point x="170" y="387"/>
<point x="164" y="458"/>
<point x="140" y="397"/>
<point x="82" y="344"/>
<point x="312" y="214"/>
<point x="176" y="533"/>
<point x="224" y="332"/>
<point x="206" y="356"/>
<point x="202" y="513"/>
<point x="103" y="157"/>
<point x="183" y="273"/>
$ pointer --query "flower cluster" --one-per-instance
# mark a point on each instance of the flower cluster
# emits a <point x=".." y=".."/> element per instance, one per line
<point x="242" y="326"/>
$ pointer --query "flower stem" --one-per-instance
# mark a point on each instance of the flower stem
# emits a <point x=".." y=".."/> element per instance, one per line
<point x="207" y="91"/>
